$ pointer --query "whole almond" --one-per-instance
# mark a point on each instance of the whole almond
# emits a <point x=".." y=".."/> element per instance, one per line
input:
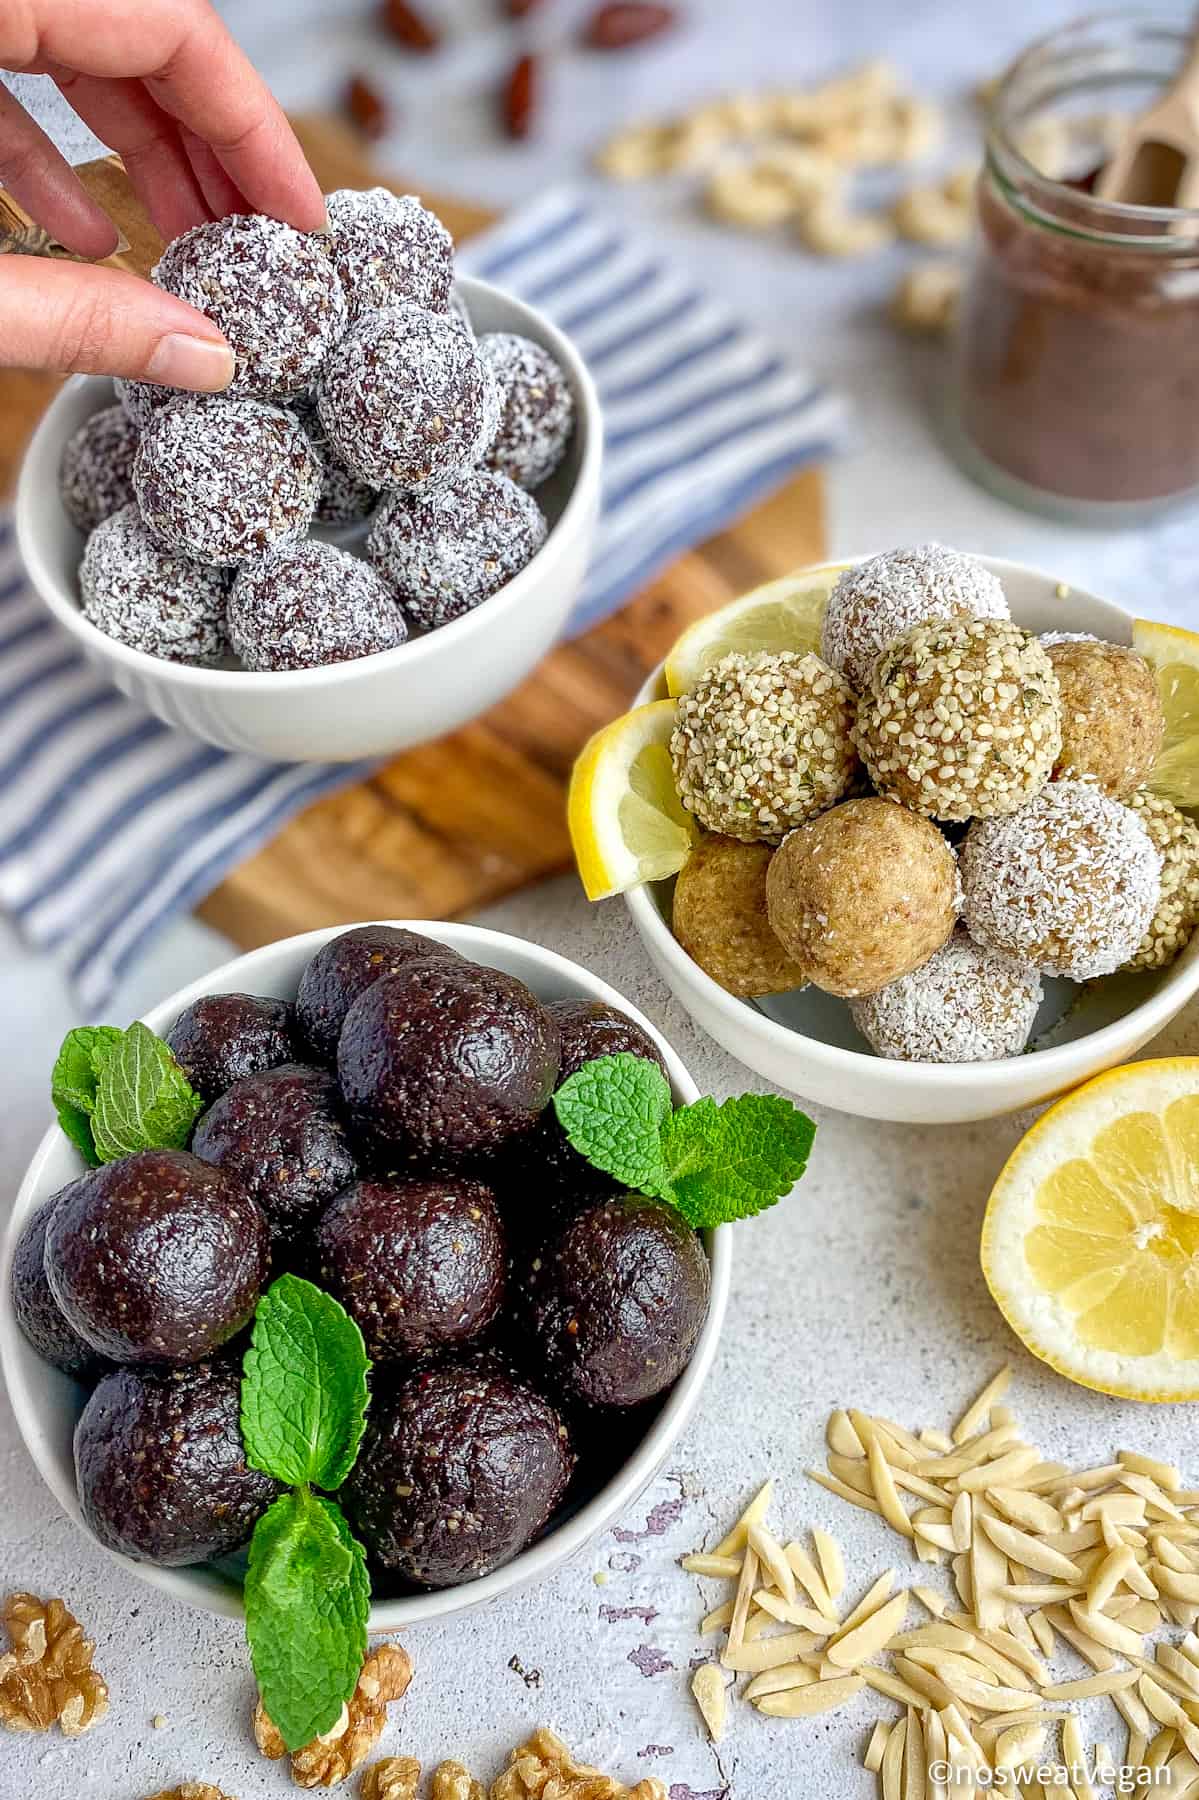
<point x="621" y="23"/>
<point x="408" y="26"/>
<point x="518" y="102"/>
<point x="367" y="108"/>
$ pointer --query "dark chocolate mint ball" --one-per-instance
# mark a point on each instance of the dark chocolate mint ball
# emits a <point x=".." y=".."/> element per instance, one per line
<point x="420" y="1264"/>
<point x="388" y="248"/>
<point x="447" y="551"/>
<point x="345" y="967"/>
<point x="136" y="590"/>
<point x="160" y="1464"/>
<point x="312" y="605"/>
<point x="222" y="1038"/>
<point x="222" y="481"/>
<point x="344" y="499"/>
<point x="36" y="1310"/>
<point x="405" y="399"/>
<point x="446" y="1061"/>
<point x="95" y="477"/>
<point x="273" y="291"/>
<point x="537" y="408"/>
<point x="280" y="1136"/>
<point x="157" y="1258"/>
<point x="617" y="1303"/>
<point x="460" y="1468"/>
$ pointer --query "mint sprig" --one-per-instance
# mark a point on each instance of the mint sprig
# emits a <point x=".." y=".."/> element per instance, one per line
<point x="714" y="1163"/>
<point x="119" y="1091"/>
<point x="307" y="1592"/>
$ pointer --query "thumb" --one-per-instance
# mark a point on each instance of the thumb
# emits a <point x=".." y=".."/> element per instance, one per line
<point x="66" y="316"/>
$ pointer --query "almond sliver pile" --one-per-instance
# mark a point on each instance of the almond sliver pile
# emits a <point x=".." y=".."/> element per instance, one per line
<point x="1043" y="1559"/>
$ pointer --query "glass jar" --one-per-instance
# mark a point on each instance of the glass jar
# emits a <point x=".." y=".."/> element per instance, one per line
<point x="1077" y="389"/>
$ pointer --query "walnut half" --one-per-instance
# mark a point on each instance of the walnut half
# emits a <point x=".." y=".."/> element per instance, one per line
<point x="46" y="1677"/>
<point x="545" y="1768"/>
<point x="329" y="1759"/>
<point x="452" y="1782"/>
<point x="192" y="1790"/>
<point x="393" y="1778"/>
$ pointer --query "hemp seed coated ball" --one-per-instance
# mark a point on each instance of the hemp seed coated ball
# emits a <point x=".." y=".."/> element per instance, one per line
<point x="1177" y="839"/>
<point x="862" y="895"/>
<point x="388" y="248"/>
<point x="1112" y="719"/>
<point x="226" y="480"/>
<point x="446" y="552"/>
<point x="721" y="922"/>
<point x="143" y="595"/>
<point x="273" y="291"/>
<point x="1068" y="885"/>
<point x="310" y="606"/>
<point x="406" y="400"/>
<point x="965" y="1004"/>
<point x="95" y="477"/>
<point x="537" y="408"/>
<point x="762" y="742"/>
<point x="961" y="720"/>
<point x="875" y="601"/>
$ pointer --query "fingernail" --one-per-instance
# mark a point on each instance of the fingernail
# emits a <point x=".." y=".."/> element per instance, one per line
<point x="191" y="362"/>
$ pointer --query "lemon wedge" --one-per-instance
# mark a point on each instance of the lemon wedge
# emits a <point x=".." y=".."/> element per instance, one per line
<point x="1090" y="1244"/>
<point x="627" y="823"/>
<point x="1174" y="654"/>
<point x="781" y="615"/>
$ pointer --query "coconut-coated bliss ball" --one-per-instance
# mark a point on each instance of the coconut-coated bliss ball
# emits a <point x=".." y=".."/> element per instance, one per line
<point x="862" y="895"/>
<point x="537" y="408"/>
<point x="344" y="498"/>
<point x="312" y="605"/>
<point x="273" y="291"/>
<point x="223" y="480"/>
<point x="720" y="919"/>
<point x="406" y="400"/>
<point x="961" y="720"/>
<point x="387" y="248"/>
<point x="1068" y="885"/>
<point x="137" y="591"/>
<point x="446" y="551"/>
<point x="1112" y="719"/>
<point x="142" y="399"/>
<point x="1177" y="838"/>
<point x="95" y="477"/>
<point x="965" y="1004"/>
<point x="762" y="742"/>
<point x="877" y="600"/>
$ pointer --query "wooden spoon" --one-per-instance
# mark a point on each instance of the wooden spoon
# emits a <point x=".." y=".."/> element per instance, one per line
<point x="1158" y="162"/>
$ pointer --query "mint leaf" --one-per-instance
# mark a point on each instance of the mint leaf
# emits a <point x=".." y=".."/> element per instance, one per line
<point x="143" y="1100"/>
<point x="73" y="1083"/>
<point x="613" y="1111"/>
<point x="307" y="1596"/>
<point x="304" y="1394"/>
<point x="731" y="1161"/>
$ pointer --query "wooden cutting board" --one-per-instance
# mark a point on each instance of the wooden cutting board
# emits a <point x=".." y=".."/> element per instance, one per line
<point x="451" y="826"/>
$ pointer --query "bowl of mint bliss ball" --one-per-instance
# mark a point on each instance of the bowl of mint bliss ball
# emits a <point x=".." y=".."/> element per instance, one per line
<point x="371" y="537"/>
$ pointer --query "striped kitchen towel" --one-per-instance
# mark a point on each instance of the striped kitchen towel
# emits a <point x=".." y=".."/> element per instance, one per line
<point x="111" y="822"/>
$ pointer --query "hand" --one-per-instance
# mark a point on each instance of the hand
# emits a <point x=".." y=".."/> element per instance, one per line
<point x="163" y="84"/>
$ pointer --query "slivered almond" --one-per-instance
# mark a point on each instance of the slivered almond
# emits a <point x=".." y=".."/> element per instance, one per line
<point x="1165" y="1474"/>
<point x="1160" y="1748"/>
<point x="1004" y="1471"/>
<point x="911" y="1483"/>
<point x="1020" y="1743"/>
<point x="707" y="1684"/>
<point x="940" y="1535"/>
<point x="754" y="1513"/>
<point x="770" y="1556"/>
<point x="1169" y="1553"/>
<point x="1031" y="1593"/>
<point x="807" y="1702"/>
<point x="1177" y="1585"/>
<point x="701" y="1563"/>
<point x="1043" y="1632"/>
<point x="1151" y="1493"/>
<point x="943" y="1635"/>
<point x="893" y="1686"/>
<point x="988" y="1698"/>
<point x="804" y="1618"/>
<point x="988" y="1572"/>
<point x="1158" y="1703"/>
<point x="853" y="1473"/>
<point x="934" y="1746"/>
<point x="841" y="1437"/>
<point x="1088" y="1685"/>
<point x="867" y="1639"/>
<point x="1142" y="1616"/>
<point x="1121" y="1509"/>
<point x="981" y="1405"/>
<point x="891" y="1769"/>
<point x="960" y="1520"/>
<point x="1131" y="1708"/>
<point x="951" y="1665"/>
<point x="1072" y="1543"/>
<point x="1075" y="1757"/>
<point x="885" y="1491"/>
<point x="832" y="1563"/>
<point x="1025" y="1509"/>
<point x="873" y="1757"/>
<point x="745" y="1592"/>
<point x="1108" y="1576"/>
<point x="1085" y="1479"/>
<point x="899" y="1434"/>
<point x="1134" y="1754"/>
<point x="716" y="1620"/>
<point x="933" y="1601"/>
<point x="932" y="1439"/>
<point x="958" y="1732"/>
<point x="1008" y="1671"/>
<point x="1179" y="1665"/>
<point x="844" y="1491"/>
<point x="968" y="1456"/>
<point x="810" y="1579"/>
<point x="915" y="1770"/>
<point x="1108" y="1632"/>
<point x="767" y="1653"/>
<point x="927" y="1685"/>
<point x="757" y="1622"/>
<point x="778" y="1681"/>
<point x="1030" y="1551"/>
<point x="963" y="1580"/>
<point x="870" y="1602"/>
<point x="1165" y="1676"/>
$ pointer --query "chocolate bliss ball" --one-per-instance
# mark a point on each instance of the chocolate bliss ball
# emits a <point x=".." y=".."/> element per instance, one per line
<point x="312" y="605"/>
<point x="387" y="249"/>
<point x="140" y="593"/>
<point x="95" y="477"/>
<point x="445" y="552"/>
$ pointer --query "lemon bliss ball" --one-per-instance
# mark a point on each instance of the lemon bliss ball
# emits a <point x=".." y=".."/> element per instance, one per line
<point x="961" y="720"/>
<point x="1173" y="924"/>
<point x="876" y="601"/>
<point x="1112" y="719"/>
<point x="965" y="1004"/>
<point x="762" y="742"/>
<point x="1068" y="885"/>
<point x="720" y="919"/>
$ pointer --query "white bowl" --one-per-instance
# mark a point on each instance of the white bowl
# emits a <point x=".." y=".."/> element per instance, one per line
<point x="807" y="1043"/>
<point x="48" y="1403"/>
<point x="374" y="705"/>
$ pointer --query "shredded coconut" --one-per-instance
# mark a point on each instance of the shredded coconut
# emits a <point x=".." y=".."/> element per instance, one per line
<point x="387" y="249"/>
<point x="1068" y="885"/>
<point x="537" y="408"/>
<point x="344" y="500"/>
<point x="95" y="477"/>
<point x="875" y="601"/>
<point x="144" y="596"/>
<point x="446" y="552"/>
<point x="309" y="606"/>
<point x="965" y="1004"/>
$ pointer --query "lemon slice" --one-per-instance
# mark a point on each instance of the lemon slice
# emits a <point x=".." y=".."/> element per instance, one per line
<point x="1091" y="1240"/>
<point x="627" y="823"/>
<point x="781" y="615"/>
<point x="1174" y="654"/>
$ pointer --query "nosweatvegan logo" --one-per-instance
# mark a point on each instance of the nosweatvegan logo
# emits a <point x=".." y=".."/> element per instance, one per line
<point x="1063" y="1778"/>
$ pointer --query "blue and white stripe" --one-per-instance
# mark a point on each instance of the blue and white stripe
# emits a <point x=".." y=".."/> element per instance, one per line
<point x="110" y="822"/>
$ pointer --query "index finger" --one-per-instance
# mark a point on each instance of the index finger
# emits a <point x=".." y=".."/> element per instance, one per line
<point x="195" y="71"/>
